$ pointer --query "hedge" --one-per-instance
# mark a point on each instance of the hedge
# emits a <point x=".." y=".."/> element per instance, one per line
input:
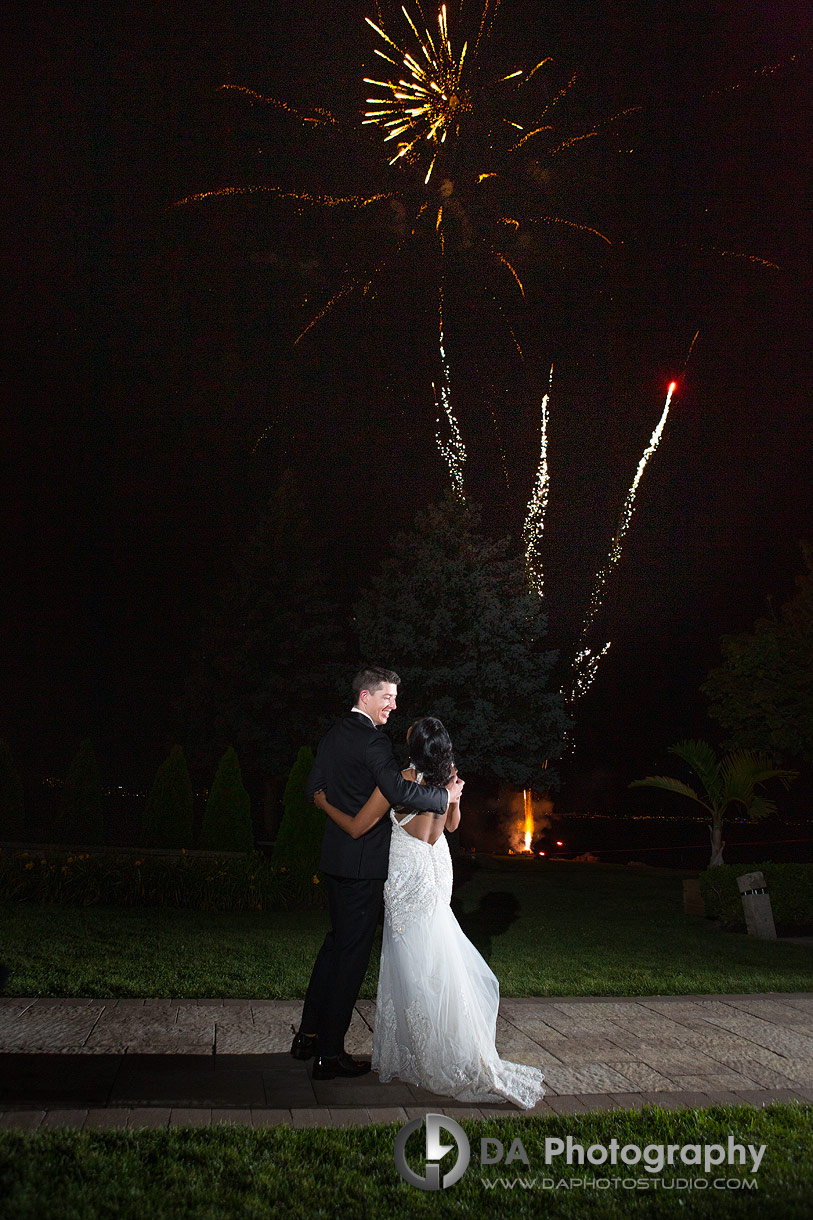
<point x="215" y="882"/>
<point x="790" y="887"/>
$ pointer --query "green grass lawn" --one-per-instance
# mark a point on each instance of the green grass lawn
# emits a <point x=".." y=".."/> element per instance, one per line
<point x="317" y="1174"/>
<point x="546" y="929"/>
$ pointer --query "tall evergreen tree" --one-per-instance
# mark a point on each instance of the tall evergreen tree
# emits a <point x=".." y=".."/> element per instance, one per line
<point x="270" y="650"/>
<point x="12" y="805"/>
<point x="451" y="612"/>
<point x="82" y="818"/>
<point x="299" y="841"/>
<point x="170" y="805"/>
<point x="227" y="817"/>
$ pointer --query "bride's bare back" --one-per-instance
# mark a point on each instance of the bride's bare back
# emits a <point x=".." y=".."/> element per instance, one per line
<point x="428" y="827"/>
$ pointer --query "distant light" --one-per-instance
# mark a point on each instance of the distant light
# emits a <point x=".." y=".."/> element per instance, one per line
<point x="559" y="843"/>
<point x="541" y="853"/>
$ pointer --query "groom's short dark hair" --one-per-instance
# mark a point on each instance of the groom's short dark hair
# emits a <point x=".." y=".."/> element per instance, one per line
<point x="371" y="678"/>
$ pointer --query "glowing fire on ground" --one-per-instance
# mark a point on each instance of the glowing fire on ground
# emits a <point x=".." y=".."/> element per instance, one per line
<point x="529" y="818"/>
<point x="527" y="815"/>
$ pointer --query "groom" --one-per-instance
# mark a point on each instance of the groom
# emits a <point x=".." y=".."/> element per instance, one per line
<point x="353" y="757"/>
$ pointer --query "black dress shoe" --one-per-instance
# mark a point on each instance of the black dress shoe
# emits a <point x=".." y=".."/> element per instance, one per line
<point x="328" y="1067"/>
<point x="303" y="1045"/>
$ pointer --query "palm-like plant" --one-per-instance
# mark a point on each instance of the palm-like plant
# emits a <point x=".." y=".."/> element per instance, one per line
<point x="726" y="782"/>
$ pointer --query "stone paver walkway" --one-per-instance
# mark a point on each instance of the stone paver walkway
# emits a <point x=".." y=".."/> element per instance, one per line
<point x="136" y="1063"/>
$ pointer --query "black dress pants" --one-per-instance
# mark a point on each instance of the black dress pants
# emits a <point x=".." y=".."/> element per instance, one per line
<point x="355" y="903"/>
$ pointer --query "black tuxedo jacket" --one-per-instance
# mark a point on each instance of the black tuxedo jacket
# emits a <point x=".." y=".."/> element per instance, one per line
<point x="353" y="757"/>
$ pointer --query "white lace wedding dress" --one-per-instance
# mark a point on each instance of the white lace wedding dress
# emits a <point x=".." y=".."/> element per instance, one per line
<point x="436" y="1011"/>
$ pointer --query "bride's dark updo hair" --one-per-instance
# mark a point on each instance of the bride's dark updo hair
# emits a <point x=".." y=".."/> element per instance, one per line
<point x="430" y="750"/>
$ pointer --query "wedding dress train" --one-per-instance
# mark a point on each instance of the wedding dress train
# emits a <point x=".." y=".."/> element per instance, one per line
<point x="436" y="1010"/>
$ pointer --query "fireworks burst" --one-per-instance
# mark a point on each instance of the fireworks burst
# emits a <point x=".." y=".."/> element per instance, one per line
<point x="455" y="122"/>
<point x="429" y="106"/>
<point x="456" y="136"/>
<point x="452" y="125"/>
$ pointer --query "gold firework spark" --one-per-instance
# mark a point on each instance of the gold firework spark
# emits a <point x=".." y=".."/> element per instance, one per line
<point x="560" y="220"/>
<point x="428" y="106"/>
<point x="749" y="258"/>
<point x="757" y="74"/>
<point x="318" y="118"/>
<point x="316" y="201"/>
<point x="345" y="290"/>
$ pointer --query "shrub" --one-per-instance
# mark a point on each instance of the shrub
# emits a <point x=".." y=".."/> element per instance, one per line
<point x="82" y="817"/>
<point x="12" y="808"/>
<point x="168" y="815"/>
<point x="151" y="879"/>
<point x="227" y="818"/>
<point x="789" y="885"/>
<point x="299" y="840"/>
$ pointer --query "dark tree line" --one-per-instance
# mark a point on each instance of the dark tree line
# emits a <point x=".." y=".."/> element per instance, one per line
<point x="448" y="609"/>
<point x="269" y="653"/>
<point x="762" y="693"/>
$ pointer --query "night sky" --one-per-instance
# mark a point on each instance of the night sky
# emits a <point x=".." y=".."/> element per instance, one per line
<point x="154" y="346"/>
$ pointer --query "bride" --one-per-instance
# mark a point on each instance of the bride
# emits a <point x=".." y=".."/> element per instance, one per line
<point x="436" y="1009"/>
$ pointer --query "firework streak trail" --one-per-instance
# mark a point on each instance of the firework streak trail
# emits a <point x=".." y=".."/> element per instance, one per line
<point x="597" y="595"/>
<point x="534" y="525"/>
<point x="453" y="450"/>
